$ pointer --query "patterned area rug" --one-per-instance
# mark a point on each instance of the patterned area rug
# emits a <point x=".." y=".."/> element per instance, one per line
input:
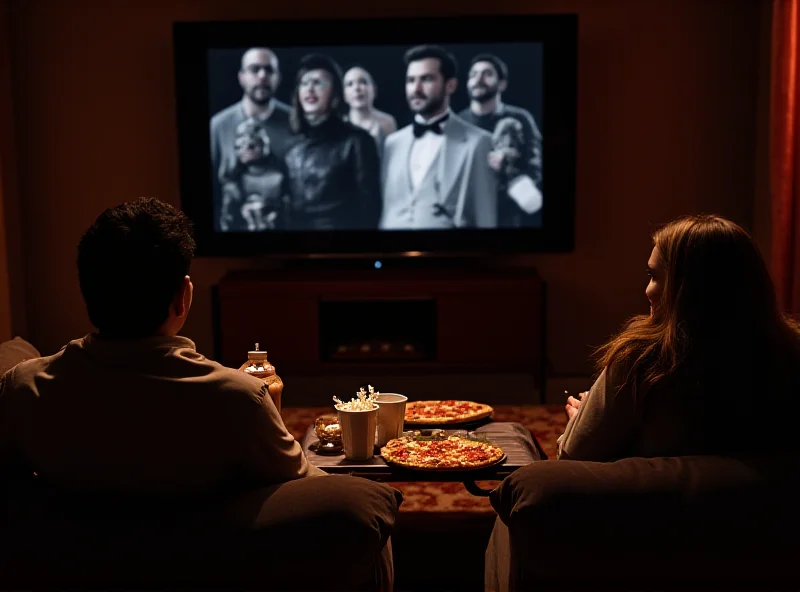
<point x="546" y="423"/>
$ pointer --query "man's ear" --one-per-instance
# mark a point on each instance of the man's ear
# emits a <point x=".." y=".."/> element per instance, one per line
<point x="502" y="85"/>
<point x="451" y="85"/>
<point x="183" y="298"/>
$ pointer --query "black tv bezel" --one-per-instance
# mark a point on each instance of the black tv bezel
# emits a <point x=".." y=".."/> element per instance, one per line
<point x="558" y="34"/>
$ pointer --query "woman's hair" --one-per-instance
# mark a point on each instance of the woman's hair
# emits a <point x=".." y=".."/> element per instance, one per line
<point x="316" y="61"/>
<point x="717" y="317"/>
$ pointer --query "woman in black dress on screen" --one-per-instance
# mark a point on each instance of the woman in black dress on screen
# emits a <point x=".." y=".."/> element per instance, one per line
<point x="333" y="169"/>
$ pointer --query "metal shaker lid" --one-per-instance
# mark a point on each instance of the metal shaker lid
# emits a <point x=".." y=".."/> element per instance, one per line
<point x="257" y="355"/>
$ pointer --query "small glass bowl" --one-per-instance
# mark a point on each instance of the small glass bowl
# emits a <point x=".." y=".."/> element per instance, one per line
<point x="329" y="432"/>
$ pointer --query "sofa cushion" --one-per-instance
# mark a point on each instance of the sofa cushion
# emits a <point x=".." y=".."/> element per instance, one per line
<point x="15" y="351"/>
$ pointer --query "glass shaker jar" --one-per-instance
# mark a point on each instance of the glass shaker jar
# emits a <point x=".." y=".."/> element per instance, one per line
<point x="257" y="365"/>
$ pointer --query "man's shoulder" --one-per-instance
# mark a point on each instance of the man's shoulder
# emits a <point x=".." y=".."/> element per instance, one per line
<point x="516" y="111"/>
<point x="227" y="116"/>
<point x="472" y="132"/>
<point x="406" y="129"/>
<point x="214" y="378"/>
<point x="465" y="114"/>
<point x="236" y="383"/>
<point x="20" y="378"/>
<point x="396" y="136"/>
<point x="520" y="114"/>
<point x="182" y="367"/>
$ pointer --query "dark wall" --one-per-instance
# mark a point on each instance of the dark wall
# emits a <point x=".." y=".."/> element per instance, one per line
<point x="666" y="125"/>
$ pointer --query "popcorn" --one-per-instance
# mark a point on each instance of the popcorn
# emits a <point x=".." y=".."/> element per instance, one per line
<point x="365" y="401"/>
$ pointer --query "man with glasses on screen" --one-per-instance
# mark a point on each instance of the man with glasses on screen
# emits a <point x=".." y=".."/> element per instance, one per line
<point x="517" y="154"/>
<point x="436" y="172"/>
<point x="249" y="140"/>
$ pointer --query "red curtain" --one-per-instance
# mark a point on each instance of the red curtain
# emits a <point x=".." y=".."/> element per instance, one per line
<point x="785" y="153"/>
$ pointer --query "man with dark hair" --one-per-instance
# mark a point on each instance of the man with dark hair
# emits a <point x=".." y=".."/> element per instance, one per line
<point x="133" y="270"/>
<point x="517" y="153"/>
<point x="436" y="171"/>
<point x="249" y="140"/>
<point x="134" y="408"/>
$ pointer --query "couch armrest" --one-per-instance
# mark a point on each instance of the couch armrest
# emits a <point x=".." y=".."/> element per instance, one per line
<point x="14" y="351"/>
<point x="316" y="533"/>
<point x="644" y="493"/>
<point x="642" y="519"/>
<point x="355" y="512"/>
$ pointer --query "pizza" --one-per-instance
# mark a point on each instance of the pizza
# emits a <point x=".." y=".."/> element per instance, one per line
<point x="449" y="453"/>
<point x="445" y="412"/>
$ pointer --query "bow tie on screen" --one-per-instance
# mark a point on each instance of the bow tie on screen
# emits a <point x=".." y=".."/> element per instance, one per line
<point x="435" y="127"/>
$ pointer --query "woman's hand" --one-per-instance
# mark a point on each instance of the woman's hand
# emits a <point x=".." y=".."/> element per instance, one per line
<point x="574" y="404"/>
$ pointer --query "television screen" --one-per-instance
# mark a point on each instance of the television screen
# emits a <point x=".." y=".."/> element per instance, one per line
<point x="413" y="135"/>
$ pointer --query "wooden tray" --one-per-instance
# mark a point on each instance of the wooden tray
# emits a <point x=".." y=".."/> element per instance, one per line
<point x="467" y="425"/>
<point x="516" y="441"/>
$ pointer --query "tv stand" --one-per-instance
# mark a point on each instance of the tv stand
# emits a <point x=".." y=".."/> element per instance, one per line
<point x="367" y="323"/>
<point x="381" y="263"/>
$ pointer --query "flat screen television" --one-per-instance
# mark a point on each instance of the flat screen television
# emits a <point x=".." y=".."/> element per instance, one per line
<point x="378" y="137"/>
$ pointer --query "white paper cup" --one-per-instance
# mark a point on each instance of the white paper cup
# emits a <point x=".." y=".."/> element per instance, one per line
<point x="391" y="415"/>
<point x="358" y="433"/>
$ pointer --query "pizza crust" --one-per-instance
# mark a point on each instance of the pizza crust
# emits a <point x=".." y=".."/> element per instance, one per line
<point x="425" y="412"/>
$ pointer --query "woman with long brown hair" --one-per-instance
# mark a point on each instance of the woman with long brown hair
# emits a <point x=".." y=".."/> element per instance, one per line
<point x="712" y="367"/>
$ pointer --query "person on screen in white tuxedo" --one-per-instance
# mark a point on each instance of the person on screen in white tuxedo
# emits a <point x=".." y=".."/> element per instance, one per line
<point x="249" y="141"/>
<point x="517" y="154"/>
<point x="435" y="172"/>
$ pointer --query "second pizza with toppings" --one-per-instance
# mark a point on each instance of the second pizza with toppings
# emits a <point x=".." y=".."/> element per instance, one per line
<point x="450" y="453"/>
<point x="445" y="412"/>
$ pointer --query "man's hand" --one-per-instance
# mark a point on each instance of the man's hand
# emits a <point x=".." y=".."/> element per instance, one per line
<point x="496" y="158"/>
<point x="574" y="404"/>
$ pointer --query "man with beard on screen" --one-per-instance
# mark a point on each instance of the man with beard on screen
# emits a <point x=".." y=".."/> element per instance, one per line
<point x="436" y="171"/>
<point x="249" y="140"/>
<point x="517" y="153"/>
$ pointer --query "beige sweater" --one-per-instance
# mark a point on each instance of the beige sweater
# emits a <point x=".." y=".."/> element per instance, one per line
<point x="608" y="426"/>
<point x="143" y="416"/>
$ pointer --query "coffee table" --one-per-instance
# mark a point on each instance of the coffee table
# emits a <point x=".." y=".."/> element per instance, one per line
<point x="517" y="442"/>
